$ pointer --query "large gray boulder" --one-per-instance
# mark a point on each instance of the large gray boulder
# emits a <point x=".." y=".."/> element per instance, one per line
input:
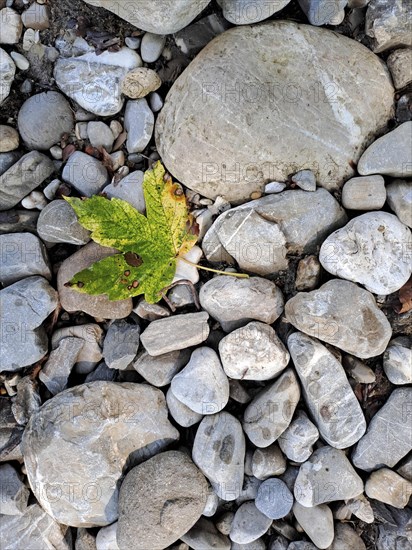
<point x="77" y="446"/>
<point x="260" y="103"/>
<point x="157" y="16"/>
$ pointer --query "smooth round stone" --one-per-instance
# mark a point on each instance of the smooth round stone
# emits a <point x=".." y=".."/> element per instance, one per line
<point x="268" y="462"/>
<point x="372" y="249"/>
<point x="317" y="522"/>
<point x="249" y="524"/>
<point x="365" y="193"/>
<point x="397" y="360"/>
<point x="151" y="47"/>
<point x="167" y="494"/>
<point x="390" y="155"/>
<point x="9" y="139"/>
<point x="21" y="62"/>
<point x="58" y="223"/>
<point x="245" y="12"/>
<point x="100" y="135"/>
<point x="129" y="189"/>
<point x="348" y="105"/>
<point x="342" y="314"/>
<point x="399" y="196"/>
<point x="158" y="16"/>
<point x="219" y="451"/>
<point x="202" y="385"/>
<point x="113" y="423"/>
<point x="253" y="352"/>
<point x="140" y="82"/>
<point x="43" y="119"/>
<point x="274" y="499"/>
<point x="305" y="179"/>
<point x="263" y="423"/>
<point x="234" y="302"/>
<point x="180" y="413"/>
<point x="106" y="538"/>
<point x="139" y="123"/>
<point x="346" y="538"/>
<point x="85" y="173"/>
<point x="298" y="439"/>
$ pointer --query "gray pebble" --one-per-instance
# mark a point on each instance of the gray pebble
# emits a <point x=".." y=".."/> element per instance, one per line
<point x="151" y="47"/>
<point x="397" y="360"/>
<point x="184" y="416"/>
<point x="139" y="124"/>
<point x="14" y="494"/>
<point x="121" y="344"/>
<point x="130" y="189"/>
<point x="43" y="119"/>
<point x="58" y="223"/>
<point x="85" y="173"/>
<point x="268" y="462"/>
<point x="364" y="193"/>
<point x="100" y="135"/>
<point x="160" y="370"/>
<point x="317" y="522"/>
<point x="22" y="255"/>
<point x="298" y="439"/>
<point x="305" y="179"/>
<point x="56" y="371"/>
<point x="155" y="102"/>
<point x="249" y="524"/>
<point x="274" y="499"/>
<point x="399" y="196"/>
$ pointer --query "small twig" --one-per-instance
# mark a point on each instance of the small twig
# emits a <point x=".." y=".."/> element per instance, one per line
<point x="239" y="275"/>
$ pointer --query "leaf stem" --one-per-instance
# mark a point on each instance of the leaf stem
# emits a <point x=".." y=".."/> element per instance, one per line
<point x="239" y="275"/>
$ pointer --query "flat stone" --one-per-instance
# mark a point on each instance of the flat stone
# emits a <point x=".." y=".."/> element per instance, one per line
<point x="121" y="344"/>
<point x="34" y="529"/>
<point x="127" y="419"/>
<point x="191" y="136"/>
<point x="14" y="494"/>
<point x="234" y="302"/>
<point x="268" y="462"/>
<point x="308" y="273"/>
<point x="389" y="435"/>
<point x="7" y="71"/>
<point x="16" y="221"/>
<point x="140" y="82"/>
<point x="56" y="371"/>
<point x="205" y="535"/>
<point x="175" y="333"/>
<point x="253" y="352"/>
<point x="11" y="26"/>
<point x="317" y="522"/>
<point x="364" y="193"/>
<point x="249" y="524"/>
<point x="150" y="312"/>
<point x="8" y="159"/>
<point x="195" y="37"/>
<point x="322" y="12"/>
<point x="22" y="177"/>
<point x="389" y="155"/>
<point x="405" y="469"/>
<point x="326" y="477"/>
<point x="160" y="370"/>
<point x="399" y="63"/>
<point x="358" y="370"/>
<point x="387" y="24"/>
<point x="96" y="306"/>
<point x="106" y="538"/>
<point x="342" y="314"/>
<point x="26" y="401"/>
<point x="100" y="135"/>
<point x="167" y="493"/>
<point x="389" y="487"/>
<point x="22" y="255"/>
<point x="180" y="413"/>
<point x="298" y="439"/>
<point x="139" y="124"/>
<point x="58" y="223"/>
<point x="9" y="139"/>
<point x="399" y="196"/>
<point x="347" y="538"/>
<point x="93" y="81"/>
<point x="43" y="119"/>
<point x="202" y="385"/>
<point x="24" y="307"/>
<point x="129" y="189"/>
<point x="362" y="251"/>
<point x="271" y="411"/>
<point x="397" y="360"/>
<point x="303" y="226"/>
<point x="274" y="499"/>
<point x="327" y="392"/>
<point x="91" y="353"/>
<point x="219" y="452"/>
<point x="244" y="12"/>
<point x="85" y="173"/>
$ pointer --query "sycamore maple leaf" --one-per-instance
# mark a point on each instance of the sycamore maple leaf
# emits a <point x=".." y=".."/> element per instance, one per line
<point x="149" y="246"/>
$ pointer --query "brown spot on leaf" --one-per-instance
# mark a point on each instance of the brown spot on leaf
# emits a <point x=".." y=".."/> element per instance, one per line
<point x="127" y="273"/>
<point x="135" y="284"/>
<point x="133" y="259"/>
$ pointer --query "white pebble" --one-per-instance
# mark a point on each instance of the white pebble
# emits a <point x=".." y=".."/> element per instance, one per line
<point x="81" y="130"/>
<point x="20" y="61"/>
<point x="274" y="187"/>
<point x="36" y="200"/>
<point x="56" y="152"/>
<point x="118" y="159"/>
<point x="152" y="47"/>
<point x="132" y="42"/>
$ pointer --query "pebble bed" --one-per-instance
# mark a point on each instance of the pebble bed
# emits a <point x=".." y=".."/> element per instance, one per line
<point x="270" y="412"/>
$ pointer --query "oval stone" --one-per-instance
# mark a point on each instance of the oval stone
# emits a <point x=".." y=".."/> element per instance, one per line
<point x="260" y="103"/>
